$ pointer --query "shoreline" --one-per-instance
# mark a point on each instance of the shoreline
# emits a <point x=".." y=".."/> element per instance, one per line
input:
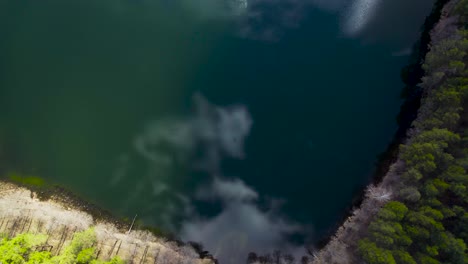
<point x="57" y="193"/>
<point x="60" y="216"/>
<point x="411" y="95"/>
<point x="341" y="245"/>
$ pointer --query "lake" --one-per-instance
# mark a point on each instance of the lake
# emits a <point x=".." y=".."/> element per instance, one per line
<point x="245" y="125"/>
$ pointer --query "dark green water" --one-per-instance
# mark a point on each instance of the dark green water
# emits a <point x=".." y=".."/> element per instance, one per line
<point x="80" y="81"/>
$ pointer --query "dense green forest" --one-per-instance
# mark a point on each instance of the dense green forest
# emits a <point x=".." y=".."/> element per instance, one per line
<point x="32" y="249"/>
<point x="427" y="222"/>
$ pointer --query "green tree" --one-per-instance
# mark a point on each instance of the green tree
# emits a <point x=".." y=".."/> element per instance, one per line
<point x="85" y="256"/>
<point x="410" y="194"/>
<point x="39" y="257"/>
<point x="14" y="250"/>
<point x="403" y="257"/>
<point x="21" y="250"/>
<point x="372" y="254"/>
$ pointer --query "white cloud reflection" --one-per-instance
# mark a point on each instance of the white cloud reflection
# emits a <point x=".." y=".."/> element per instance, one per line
<point x="203" y="140"/>
<point x="241" y="227"/>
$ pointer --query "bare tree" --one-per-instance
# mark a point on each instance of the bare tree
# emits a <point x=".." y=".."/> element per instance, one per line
<point x="277" y="257"/>
<point x="252" y="258"/>
<point x="288" y="259"/>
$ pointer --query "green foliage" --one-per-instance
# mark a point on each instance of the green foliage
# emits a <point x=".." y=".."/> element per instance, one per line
<point x="39" y="257"/>
<point x="441" y="137"/>
<point x="85" y="256"/>
<point x="462" y="10"/>
<point x="427" y="151"/>
<point x="14" y="250"/>
<point x="387" y="236"/>
<point x="461" y="228"/>
<point x="21" y="250"/>
<point x="410" y="194"/>
<point x="430" y="224"/>
<point x="371" y="253"/>
<point x="82" y="241"/>
<point x="443" y="54"/>
<point x="403" y="257"/>
<point x="420" y="157"/>
<point x="426" y="259"/>
<point x="418" y="233"/>
<point x="453" y="248"/>
<point x="399" y="209"/>
<point x="426" y="217"/>
<point x="114" y="260"/>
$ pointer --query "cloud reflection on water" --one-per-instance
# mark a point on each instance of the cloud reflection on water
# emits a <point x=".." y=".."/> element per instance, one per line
<point x="268" y="19"/>
<point x="241" y="227"/>
<point x="201" y="141"/>
<point x="393" y="22"/>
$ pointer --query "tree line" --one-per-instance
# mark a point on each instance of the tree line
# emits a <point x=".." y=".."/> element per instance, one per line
<point x="427" y="221"/>
<point x="30" y="248"/>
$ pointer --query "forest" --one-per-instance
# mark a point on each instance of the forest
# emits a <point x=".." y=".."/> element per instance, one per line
<point x="427" y="220"/>
<point x="418" y="215"/>
<point x="32" y="249"/>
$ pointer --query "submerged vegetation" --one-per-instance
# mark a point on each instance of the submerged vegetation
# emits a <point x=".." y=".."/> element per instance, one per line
<point x="428" y="220"/>
<point x="33" y="249"/>
<point x="29" y="181"/>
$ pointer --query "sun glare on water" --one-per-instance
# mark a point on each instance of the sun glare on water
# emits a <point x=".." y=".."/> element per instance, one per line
<point x="359" y="14"/>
